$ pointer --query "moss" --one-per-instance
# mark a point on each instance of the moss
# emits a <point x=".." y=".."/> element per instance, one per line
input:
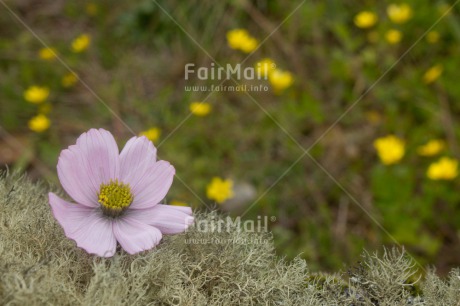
<point x="40" y="266"/>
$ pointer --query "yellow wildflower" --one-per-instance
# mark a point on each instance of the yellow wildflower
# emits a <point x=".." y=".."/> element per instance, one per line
<point x="200" y="108"/>
<point x="444" y="169"/>
<point x="69" y="80"/>
<point x="249" y="45"/>
<point x="431" y="148"/>
<point x="220" y="190"/>
<point x="399" y="13"/>
<point x="365" y="19"/>
<point x="280" y="80"/>
<point x="36" y="94"/>
<point x="240" y="39"/>
<point x="81" y="43"/>
<point x="432" y="74"/>
<point x="432" y="37"/>
<point x="47" y="54"/>
<point x="393" y="36"/>
<point x="178" y="203"/>
<point x="39" y="123"/>
<point x="390" y="149"/>
<point x="152" y="134"/>
<point x="265" y="67"/>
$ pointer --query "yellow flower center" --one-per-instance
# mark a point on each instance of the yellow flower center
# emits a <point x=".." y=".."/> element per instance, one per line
<point x="115" y="198"/>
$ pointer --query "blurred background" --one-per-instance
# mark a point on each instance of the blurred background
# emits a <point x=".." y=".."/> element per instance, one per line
<point x="354" y="144"/>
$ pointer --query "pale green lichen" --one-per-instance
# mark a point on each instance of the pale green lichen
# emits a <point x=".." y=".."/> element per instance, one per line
<point x="40" y="266"/>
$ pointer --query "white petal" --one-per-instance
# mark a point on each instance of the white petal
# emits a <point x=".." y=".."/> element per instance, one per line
<point x="83" y="167"/>
<point x="167" y="218"/>
<point x="134" y="236"/>
<point x="87" y="226"/>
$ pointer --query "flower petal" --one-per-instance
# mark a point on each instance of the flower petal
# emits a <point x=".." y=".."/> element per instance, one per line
<point x="83" y="167"/>
<point x="154" y="186"/>
<point x="138" y="155"/>
<point x="168" y="219"/>
<point x="135" y="236"/>
<point x="87" y="226"/>
<point x="73" y="179"/>
<point x="101" y="151"/>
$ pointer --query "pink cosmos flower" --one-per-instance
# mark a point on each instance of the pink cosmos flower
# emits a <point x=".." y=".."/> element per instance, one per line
<point x="116" y="195"/>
